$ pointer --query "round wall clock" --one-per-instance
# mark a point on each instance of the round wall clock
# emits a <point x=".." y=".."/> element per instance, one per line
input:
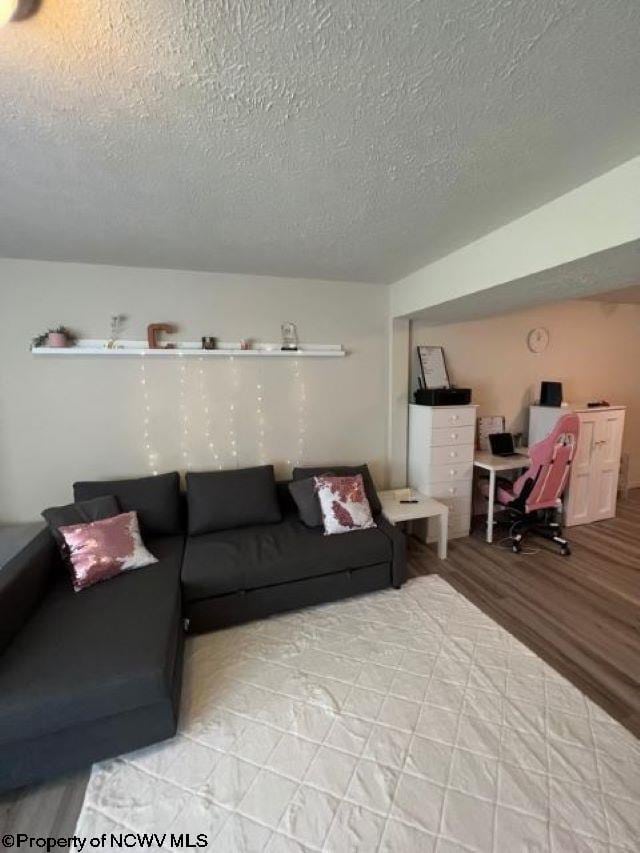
<point x="538" y="339"/>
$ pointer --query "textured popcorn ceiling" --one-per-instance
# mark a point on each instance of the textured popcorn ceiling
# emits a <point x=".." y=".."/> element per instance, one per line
<point x="350" y="139"/>
<point x="629" y="295"/>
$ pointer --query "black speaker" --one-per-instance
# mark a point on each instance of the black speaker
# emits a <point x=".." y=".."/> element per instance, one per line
<point x="551" y="393"/>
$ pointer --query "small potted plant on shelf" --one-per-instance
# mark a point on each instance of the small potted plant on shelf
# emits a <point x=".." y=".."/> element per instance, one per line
<point x="60" y="337"/>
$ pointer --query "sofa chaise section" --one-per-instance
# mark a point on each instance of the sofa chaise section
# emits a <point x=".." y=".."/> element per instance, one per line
<point x="93" y="674"/>
<point x="85" y="676"/>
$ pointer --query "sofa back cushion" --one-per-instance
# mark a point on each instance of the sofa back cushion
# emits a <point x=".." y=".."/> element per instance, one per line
<point x="221" y="500"/>
<point x="345" y="471"/>
<point x="79" y="513"/>
<point x="155" y="499"/>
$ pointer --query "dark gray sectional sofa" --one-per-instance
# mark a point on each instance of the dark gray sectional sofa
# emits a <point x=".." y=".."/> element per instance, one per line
<point x="85" y="676"/>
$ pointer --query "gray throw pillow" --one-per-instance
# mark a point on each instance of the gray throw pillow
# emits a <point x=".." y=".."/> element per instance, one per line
<point x="345" y="471"/>
<point x="304" y="494"/>
<point x="81" y="512"/>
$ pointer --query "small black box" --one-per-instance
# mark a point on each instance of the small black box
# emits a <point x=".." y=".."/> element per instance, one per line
<point x="442" y="396"/>
<point x="551" y="393"/>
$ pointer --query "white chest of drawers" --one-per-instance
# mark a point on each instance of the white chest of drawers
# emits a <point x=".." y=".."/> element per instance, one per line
<point x="441" y="448"/>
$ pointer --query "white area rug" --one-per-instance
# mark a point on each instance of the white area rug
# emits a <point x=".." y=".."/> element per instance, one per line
<point x="401" y="721"/>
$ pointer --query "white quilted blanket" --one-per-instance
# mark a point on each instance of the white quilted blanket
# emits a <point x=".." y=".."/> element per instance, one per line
<point x="401" y="721"/>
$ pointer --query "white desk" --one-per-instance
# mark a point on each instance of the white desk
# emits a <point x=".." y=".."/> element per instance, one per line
<point x="426" y="507"/>
<point x="485" y="460"/>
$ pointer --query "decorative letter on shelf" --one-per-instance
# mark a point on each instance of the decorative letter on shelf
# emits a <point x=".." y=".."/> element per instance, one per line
<point x="153" y="331"/>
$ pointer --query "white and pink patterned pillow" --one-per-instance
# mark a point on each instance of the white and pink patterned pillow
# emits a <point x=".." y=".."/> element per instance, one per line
<point x="102" y="549"/>
<point x="344" y="504"/>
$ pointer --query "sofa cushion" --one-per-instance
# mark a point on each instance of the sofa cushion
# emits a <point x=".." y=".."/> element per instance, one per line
<point x="90" y="656"/>
<point x="81" y="512"/>
<point x="221" y="500"/>
<point x="345" y="471"/>
<point x="254" y="557"/>
<point x="155" y="499"/>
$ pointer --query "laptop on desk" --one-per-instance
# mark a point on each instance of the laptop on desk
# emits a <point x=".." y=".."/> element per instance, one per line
<point x="501" y="444"/>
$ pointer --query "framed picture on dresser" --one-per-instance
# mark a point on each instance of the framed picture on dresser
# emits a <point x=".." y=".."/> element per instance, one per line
<point x="433" y="367"/>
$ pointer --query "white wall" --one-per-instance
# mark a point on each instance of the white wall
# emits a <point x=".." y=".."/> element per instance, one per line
<point x="398" y="410"/>
<point x="594" y="351"/>
<point x="62" y="419"/>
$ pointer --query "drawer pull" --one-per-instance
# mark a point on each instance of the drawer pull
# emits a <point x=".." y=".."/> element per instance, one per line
<point x="454" y="435"/>
<point x="452" y="491"/>
<point x="453" y="454"/>
<point x="453" y="419"/>
<point x="453" y="472"/>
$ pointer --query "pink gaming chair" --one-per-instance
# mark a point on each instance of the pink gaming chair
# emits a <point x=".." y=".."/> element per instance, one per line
<point x="535" y="497"/>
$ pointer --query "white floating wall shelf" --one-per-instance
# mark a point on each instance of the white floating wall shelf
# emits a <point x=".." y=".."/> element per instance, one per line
<point x="192" y="349"/>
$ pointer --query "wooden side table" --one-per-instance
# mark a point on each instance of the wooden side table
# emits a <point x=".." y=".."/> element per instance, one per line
<point x="425" y="507"/>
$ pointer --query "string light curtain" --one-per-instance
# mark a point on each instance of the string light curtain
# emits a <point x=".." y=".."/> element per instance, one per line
<point x="233" y="430"/>
<point x="209" y="422"/>
<point x="151" y="453"/>
<point x="185" y="438"/>
<point x="205" y="401"/>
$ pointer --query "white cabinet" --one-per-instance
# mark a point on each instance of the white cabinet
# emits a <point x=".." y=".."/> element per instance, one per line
<point x="593" y="485"/>
<point x="441" y="448"/>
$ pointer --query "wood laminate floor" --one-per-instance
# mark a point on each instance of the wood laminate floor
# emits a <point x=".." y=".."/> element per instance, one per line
<point x="581" y="614"/>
